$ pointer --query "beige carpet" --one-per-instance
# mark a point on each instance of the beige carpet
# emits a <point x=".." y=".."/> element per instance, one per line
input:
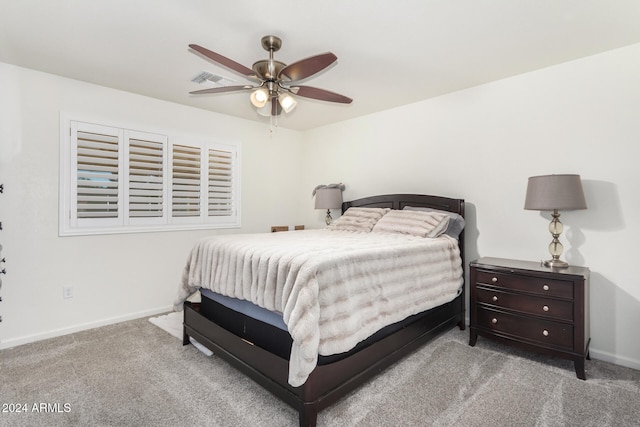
<point x="171" y="323"/>
<point x="135" y="374"/>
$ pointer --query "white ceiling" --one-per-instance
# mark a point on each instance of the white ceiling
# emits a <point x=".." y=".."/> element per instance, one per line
<point x="389" y="53"/>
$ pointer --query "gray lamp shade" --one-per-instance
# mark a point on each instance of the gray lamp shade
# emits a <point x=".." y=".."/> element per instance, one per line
<point x="328" y="198"/>
<point x="550" y="192"/>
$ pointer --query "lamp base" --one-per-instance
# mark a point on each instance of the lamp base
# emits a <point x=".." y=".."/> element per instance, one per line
<point x="328" y="219"/>
<point x="555" y="263"/>
<point x="555" y="247"/>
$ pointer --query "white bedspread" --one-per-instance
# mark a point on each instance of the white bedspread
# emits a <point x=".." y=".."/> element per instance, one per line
<point x="334" y="288"/>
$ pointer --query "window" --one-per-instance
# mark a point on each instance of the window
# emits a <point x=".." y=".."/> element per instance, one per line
<point x="117" y="180"/>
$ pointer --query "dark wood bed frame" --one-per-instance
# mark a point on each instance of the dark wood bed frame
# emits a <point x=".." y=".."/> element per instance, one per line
<point x="329" y="382"/>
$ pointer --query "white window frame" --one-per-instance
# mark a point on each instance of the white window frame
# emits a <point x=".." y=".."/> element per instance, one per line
<point x="69" y="222"/>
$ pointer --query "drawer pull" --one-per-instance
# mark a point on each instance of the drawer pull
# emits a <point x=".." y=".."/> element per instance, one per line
<point x="494" y="299"/>
<point x="545" y="287"/>
<point x="494" y="320"/>
<point x="494" y="280"/>
<point x="545" y="333"/>
<point x="545" y="308"/>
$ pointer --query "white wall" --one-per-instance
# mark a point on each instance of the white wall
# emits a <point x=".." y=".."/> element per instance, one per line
<point x="114" y="277"/>
<point x="482" y="144"/>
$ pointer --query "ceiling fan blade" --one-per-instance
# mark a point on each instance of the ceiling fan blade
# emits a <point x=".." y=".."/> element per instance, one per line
<point x="223" y="60"/>
<point x="307" y="67"/>
<point x="321" y="94"/>
<point x="220" y="89"/>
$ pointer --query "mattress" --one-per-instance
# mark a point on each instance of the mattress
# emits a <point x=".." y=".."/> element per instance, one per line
<point x="247" y="308"/>
<point x="261" y="332"/>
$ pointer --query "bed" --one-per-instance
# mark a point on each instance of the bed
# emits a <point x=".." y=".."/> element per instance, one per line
<point x="269" y="353"/>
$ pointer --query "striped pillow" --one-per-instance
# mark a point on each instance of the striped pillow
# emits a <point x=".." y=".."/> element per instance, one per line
<point x="414" y="223"/>
<point x="358" y="219"/>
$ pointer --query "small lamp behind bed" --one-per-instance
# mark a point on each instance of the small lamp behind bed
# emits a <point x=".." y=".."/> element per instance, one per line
<point x="328" y="197"/>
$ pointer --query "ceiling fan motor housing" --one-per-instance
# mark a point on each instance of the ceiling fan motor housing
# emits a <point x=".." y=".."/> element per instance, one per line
<point x="268" y="69"/>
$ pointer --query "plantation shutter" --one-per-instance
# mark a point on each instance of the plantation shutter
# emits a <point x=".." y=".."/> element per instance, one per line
<point x="186" y="177"/>
<point x="117" y="180"/>
<point x="146" y="176"/>
<point x="221" y="173"/>
<point x="97" y="177"/>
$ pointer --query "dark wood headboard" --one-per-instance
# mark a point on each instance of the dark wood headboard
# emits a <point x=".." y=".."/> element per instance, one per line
<point x="399" y="201"/>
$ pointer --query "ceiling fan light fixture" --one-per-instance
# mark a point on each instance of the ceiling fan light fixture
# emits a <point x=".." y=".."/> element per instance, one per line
<point x="259" y="97"/>
<point x="287" y="102"/>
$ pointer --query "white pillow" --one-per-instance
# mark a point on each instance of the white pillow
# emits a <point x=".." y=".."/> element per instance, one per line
<point x="456" y="221"/>
<point x="358" y="219"/>
<point x="415" y="223"/>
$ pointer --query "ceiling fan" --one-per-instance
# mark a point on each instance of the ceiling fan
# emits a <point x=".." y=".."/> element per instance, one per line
<point x="275" y="81"/>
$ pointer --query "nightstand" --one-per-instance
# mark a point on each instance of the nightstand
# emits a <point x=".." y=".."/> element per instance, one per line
<point x="532" y="307"/>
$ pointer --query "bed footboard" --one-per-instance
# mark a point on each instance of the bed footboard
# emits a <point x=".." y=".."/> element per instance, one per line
<point x="327" y="383"/>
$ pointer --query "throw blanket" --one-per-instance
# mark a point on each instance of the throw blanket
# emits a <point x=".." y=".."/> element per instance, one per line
<point x="334" y="288"/>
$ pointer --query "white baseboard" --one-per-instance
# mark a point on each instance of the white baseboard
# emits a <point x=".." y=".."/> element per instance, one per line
<point x="14" y="342"/>
<point x="614" y="358"/>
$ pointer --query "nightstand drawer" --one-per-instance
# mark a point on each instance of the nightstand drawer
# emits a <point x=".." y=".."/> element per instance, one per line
<point x="544" y="332"/>
<point x="531" y="284"/>
<point x="546" y="307"/>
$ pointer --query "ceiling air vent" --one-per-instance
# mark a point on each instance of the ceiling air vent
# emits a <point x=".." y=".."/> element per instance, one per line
<point x="210" y="79"/>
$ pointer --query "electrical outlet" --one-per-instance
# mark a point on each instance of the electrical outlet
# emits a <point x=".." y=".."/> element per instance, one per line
<point x="67" y="292"/>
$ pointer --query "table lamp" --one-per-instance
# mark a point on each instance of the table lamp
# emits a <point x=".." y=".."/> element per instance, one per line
<point x="328" y="197"/>
<point x="555" y="193"/>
